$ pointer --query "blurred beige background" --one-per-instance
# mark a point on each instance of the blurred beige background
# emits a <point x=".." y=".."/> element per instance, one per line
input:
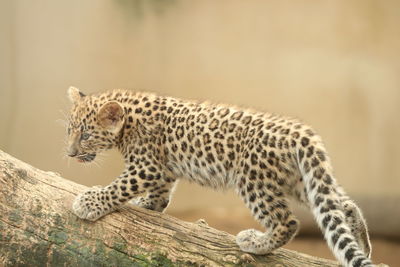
<point x="334" y="64"/>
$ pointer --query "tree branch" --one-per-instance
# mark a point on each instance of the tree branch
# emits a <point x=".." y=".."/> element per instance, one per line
<point x="38" y="229"/>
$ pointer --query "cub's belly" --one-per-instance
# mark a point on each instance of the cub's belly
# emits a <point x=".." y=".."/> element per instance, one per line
<point x="212" y="175"/>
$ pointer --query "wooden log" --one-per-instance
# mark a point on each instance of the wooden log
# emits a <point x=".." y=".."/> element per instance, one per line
<point x="37" y="228"/>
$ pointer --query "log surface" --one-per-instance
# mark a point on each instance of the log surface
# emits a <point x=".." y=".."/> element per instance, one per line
<point x="37" y="228"/>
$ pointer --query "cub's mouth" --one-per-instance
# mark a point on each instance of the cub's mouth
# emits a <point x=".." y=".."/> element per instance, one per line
<point x="86" y="157"/>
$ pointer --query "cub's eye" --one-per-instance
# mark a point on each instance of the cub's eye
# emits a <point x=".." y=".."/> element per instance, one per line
<point x="85" y="136"/>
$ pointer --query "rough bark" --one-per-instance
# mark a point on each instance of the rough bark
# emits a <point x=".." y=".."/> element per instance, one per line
<point x="37" y="228"/>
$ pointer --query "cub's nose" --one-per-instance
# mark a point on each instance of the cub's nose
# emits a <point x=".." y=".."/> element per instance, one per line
<point x="72" y="152"/>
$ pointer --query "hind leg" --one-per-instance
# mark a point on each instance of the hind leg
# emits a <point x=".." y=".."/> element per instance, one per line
<point x="270" y="208"/>
<point x="356" y="221"/>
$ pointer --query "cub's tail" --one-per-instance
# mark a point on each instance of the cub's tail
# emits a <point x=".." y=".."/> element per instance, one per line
<point x="338" y="217"/>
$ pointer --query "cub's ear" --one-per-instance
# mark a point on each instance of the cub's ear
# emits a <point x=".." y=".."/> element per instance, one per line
<point x="111" y="116"/>
<point x="74" y="94"/>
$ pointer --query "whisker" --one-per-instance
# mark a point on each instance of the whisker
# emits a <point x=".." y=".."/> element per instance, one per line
<point x="96" y="164"/>
<point x="63" y="114"/>
<point x="62" y="122"/>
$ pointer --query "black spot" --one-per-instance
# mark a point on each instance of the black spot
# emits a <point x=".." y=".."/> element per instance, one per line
<point x="142" y="174"/>
<point x="134" y="188"/>
<point x="344" y="242"/>
<point x="272" y="141"/>
<point x="285" y="131"/>
<point x="174" y="147"/>
<point x="246" y="120"/>
<point x="254" y="159"/>
<point x="270" y="125"/>
<point x="335" y="238"/>
<point x="252" y="197"/>
<point x="165" y="204"/>
<point x="326" y="220"/>
<point x="301" y="154"/>
<point x="253" y="174"/>
<point x="265" y="139"/>
<point x="327" y="179"/>
<point x="206" y="138"/>
<point x="138" y="110"/>
<point x="281" y="181"/>
<point x="318" y="173"/>
<point x="250" y="187"/>
<point x="323" y="189"/>
<point x="213" y="124"/>
<point x="350" y="254"/>
<point x="260" y="185"/>
<point x="210" y="158"/>
<point x="349" y="213"/>
<point x="358" y="262"/>
<point x="305" y="141"/>
<point x="183" y="146"/>
<point x="314" y="162"/>
<point x="336" y="221"/>
<point x="310" y="151"/>
<point x="298" y="126"/>
<point x="306" y="167"/>
<point x="321" y="155"/>
<point x="293" y="143"/>
<point x="265" y="212"/>
<point x="237" y="115"/>
<point x="262" y="165"/>
<point x="331" y="204"/>
<point x="318" y="201"/>
<point x="324" y="209"/>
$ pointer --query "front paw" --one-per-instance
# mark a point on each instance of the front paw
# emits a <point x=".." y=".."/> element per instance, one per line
<point x="90" y="205"/>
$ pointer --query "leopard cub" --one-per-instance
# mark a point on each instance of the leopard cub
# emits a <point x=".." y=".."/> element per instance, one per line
<point x="266" y="158"/>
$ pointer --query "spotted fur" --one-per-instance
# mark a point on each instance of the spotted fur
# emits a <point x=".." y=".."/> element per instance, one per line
<point x="267" y="158"/>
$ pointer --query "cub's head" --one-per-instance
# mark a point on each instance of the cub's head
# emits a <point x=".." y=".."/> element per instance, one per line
<point x="94" y="125"/>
